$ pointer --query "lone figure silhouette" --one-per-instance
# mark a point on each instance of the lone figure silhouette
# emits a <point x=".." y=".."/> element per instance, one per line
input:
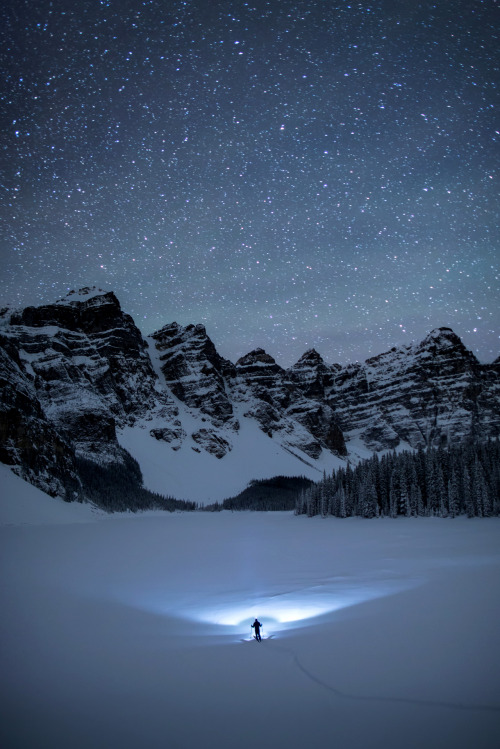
<point x="257" y="625"/>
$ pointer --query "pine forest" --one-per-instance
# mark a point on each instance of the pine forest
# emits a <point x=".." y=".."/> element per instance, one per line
<point x="460" y="480"/>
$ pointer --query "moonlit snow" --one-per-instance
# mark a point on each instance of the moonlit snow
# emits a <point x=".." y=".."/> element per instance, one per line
<point x="134" y="630"/>
<point x="201" y="477"/>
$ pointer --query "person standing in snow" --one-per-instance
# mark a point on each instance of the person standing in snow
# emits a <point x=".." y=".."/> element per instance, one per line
<point x="257" y="625"/>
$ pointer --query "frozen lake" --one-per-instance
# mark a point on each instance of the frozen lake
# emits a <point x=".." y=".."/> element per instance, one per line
<point x="135" y="631"/>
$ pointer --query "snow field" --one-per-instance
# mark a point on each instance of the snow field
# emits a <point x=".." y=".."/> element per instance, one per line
<point x="134" y="631"/>
<point x="197" y="476"/>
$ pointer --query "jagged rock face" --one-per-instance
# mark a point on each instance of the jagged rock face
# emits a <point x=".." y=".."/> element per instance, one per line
<point x="259" y="381"/>
<point x="320" y="421"/>
<point x="85" y="310"/>
<point x="27" y="439"/>
<point x="488" y="400"/>
<point x="258" y="374"/>
<point x="174" y="436"/>
<point x="258" y="369"/>
<point x="424" y="394"/>
<point x="193" y="369"/>
<point x="89" y="368"/>
<point x="311" y="375"/>
<point x="86" y="336"/>
<point x="283" y="400"/>
<point x="212" y="442"/>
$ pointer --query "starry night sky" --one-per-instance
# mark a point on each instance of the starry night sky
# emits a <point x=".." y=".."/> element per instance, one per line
<point x="290" y="174"/>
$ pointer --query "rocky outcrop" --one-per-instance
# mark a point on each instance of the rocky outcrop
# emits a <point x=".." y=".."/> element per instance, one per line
<point x="212" y="442"/>
<point x="312" y="376"/>
<point x="289" y="402"/>
<point x="174" y="435"/>
<point x="259" y="383"/>
<point x="193" y="370"/>
<point x="86" y="339"/>
<point x="309" y="379"/>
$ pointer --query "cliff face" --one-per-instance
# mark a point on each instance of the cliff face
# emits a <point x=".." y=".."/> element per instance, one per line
<point x="72" y="372"/>
<point x="28" y="440"/>
<point x="426" y="394"/>
<point x="88" y="365"/>
<point x="193" y="370"/>
<point x="76" y="371"/>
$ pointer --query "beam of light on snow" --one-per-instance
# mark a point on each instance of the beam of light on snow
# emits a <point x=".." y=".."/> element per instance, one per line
<point x="231" y="613"/>
<point x="284" y="613"/>
<point x="287" y="610"/>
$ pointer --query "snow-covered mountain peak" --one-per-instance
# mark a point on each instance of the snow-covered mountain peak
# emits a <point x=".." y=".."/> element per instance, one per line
<point x="193" y="370"/>
<point x="443" y="333"/>
<point x="86" y="294"/>
<point x="77" y="374"/>
<point x="88" y="311"/>
<point x="444" y="340"/>
<point x="311" y="358"/>
<point x="257" y="357"/>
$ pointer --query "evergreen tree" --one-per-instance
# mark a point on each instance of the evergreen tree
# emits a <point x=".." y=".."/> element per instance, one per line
<point x="368" y="503"/>
<point x="419" y="502"/>
<point x="479" y="490"/>
<point x="436" y="493"/>
<point x="394" y="494"/>
<point x="464" y="478"/>
<point x="342" y="503"/>
<point x="453" y="495"/>
<point x="469" y="502"/>
<point x="412" y="484"/>
<point x="404" y="491"/>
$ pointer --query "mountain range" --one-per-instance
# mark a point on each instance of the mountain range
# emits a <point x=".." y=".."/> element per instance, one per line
<point x="79" y="380"/>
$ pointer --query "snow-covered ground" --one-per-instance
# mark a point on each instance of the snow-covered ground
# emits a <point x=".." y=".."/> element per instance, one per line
<point x="196" y="475"/>
<point x="134" y="631"/>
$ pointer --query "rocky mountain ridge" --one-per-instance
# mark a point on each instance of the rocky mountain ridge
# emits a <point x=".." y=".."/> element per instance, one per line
<point x="76" y="372"/>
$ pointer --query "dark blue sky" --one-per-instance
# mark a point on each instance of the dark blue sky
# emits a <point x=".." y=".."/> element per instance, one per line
<point x="291" y="174"/>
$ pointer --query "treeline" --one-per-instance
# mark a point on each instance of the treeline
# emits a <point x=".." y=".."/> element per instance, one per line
<point x="461" y="480"/>
<point x="276" y="494"/>
<point x="118" y="487"/>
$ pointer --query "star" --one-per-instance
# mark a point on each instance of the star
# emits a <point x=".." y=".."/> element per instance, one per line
<point x="290" y="174"/>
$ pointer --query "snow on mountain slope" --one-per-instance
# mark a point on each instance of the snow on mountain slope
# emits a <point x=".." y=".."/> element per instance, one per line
<point x="24" y="504"/>
<point x="79" y="380"/>
<point x="191" y="473"/>
<point x="185" y="463"/>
